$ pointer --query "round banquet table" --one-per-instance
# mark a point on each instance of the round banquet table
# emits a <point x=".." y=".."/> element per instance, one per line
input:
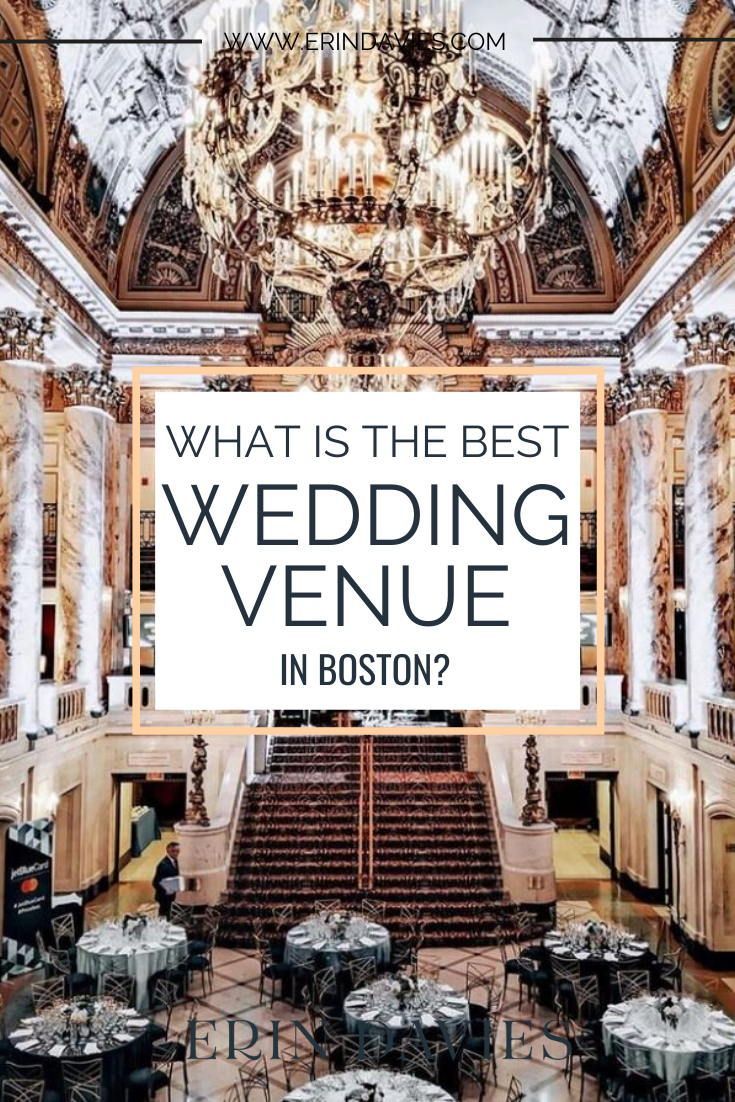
<point x="107" y="949"/>
<point x="321" y="936"/>
<point x="598" y="962"/>
<point x="564" y="950"/>
<point x="704" y="1036"/>
<point x="377" y="1007"/>
<point x="360" y="1086"/>
<point x="117" y="1035"/>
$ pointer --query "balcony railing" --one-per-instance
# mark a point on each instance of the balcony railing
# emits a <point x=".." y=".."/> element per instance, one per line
<point x="50" y="542"/>
<point x="667" y="702"/>
<point x="148" y="550"/>
<point x="721" y="719"/>
<point x="588" y="550"/>
<point x="9" y="721"/>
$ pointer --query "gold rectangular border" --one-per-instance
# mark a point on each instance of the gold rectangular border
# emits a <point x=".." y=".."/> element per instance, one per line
<point x="597" y="728"/>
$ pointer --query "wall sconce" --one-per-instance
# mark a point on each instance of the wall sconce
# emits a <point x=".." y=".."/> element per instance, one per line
<point x="680" y="600"/>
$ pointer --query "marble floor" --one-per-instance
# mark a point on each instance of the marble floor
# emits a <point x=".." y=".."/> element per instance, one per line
<point x="521" y="1042"/>
<point x="577" y="856"/>
<point x="141" y="869"/>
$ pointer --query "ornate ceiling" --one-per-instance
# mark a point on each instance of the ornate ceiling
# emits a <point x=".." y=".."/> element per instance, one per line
<point x="93" y="133"/>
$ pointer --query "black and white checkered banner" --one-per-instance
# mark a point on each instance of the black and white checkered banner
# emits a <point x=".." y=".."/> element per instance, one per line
<point x="28" y="892"/>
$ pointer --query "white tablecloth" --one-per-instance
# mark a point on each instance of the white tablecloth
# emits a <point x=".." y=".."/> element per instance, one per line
<point x="378" y="1007"/>
<point x="104" y="950"/>
<point x="670" y="1053"/>
<point x="360" y="938"/>
<point x="393" y="1087"/>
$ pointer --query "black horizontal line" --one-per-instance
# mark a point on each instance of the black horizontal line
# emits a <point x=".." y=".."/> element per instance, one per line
<point x="668" y="38"/>
<point x="99" y="41"/>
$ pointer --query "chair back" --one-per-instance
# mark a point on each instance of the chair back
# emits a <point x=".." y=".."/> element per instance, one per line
<point x="515" y="1091"/>
<point x="361" y="1052"/>
<point x="325" y="984"/>
<point x="473" y="1067"/>
<point x="328" y="906"/>
<point x="119" y="987"/>
<point x="22" y="1090"/>
<point x="362" y="971"/>
<point x="254" y="1077"/>
<point x="588" y="998"/>
<point x="85" y="1094"/>
<point x="483" y="979"/>
<point x="47" y="992"/>
<point x="373" y="910"/>
<point x="60" y="960"/>
<point x="671" y="1092"/>
<point x="414" y="1060"/>
<point x="82" y="1073"/>
<point x="64" y="931"/>
<point x="633" y="984"/>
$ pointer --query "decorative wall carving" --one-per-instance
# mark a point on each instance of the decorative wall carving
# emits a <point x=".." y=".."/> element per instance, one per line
<point x="83" y="208"/>
<point x="18" y="142"/>
<point x="22" y="336"/>
<point x="709" y="340"/>
<point x="81" y="386"/>
<point x="22" y="259"/>
<point x="651" y="208"/>
<point x="560" y="252"/>
<point x="170" y="255"/>
<point x="642" y="391"/>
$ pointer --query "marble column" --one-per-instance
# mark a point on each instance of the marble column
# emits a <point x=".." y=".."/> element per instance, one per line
<point x="21" y="508"/>
<point x="91" y="398"/>
<point x="641" y="401"/>
<point x="710" y="617"/>
<point x="616" y="545"/>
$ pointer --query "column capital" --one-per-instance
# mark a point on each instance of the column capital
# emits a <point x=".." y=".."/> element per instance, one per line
<point x="709" y="340"/>
<point x="491" y="383"/>
<point x="82" y="386"/>
<point x="228" y="382"/>
<point x="22" y="335"/>
<point x="646" y="390"/>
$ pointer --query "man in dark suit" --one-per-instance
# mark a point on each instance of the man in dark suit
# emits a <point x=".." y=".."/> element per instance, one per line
<point x="166" y="867"/>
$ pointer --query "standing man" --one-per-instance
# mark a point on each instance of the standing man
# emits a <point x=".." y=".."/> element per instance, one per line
<point x="166" y="868"/>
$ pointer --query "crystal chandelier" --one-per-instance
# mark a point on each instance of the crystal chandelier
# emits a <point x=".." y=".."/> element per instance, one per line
<point x="401" y="186"/>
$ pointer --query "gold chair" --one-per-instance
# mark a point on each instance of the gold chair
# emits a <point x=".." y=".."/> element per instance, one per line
<point x="47" y="992"/>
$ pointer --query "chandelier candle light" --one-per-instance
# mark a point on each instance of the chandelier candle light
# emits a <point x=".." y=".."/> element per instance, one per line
<point x="401" y="185"/>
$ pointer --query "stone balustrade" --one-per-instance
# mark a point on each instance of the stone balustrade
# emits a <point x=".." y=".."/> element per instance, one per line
<point x="9" y="721"/>
<point x="667" y="703"/>
<point x="61" y="704"/>
<point x="721" y="719"/>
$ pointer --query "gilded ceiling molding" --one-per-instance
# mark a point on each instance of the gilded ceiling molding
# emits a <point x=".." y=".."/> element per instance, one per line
<point x="711" y="258"/>
<point x="21" y="258"/>
<point x="24" y="19"/>
<point x="531" y="350"/>
<point x="23" y="336"/>
<point x="248" y="349"/>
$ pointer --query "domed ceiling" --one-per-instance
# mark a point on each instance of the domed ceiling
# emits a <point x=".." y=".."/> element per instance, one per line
<point x="114" y="119"/>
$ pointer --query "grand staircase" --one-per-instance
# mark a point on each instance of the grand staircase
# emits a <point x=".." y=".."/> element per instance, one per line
<point x="396" y="818"/>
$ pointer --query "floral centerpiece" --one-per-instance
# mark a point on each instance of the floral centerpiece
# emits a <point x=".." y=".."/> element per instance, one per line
<point x="596" y="936"/>
<point x="405" y="988"/>
<point x="133" y="926"/>
<point x="671" y="1010"/>
<point x="365" y="1092"/>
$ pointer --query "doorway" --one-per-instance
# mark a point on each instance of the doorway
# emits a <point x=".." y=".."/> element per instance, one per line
<point x="582" y="807"/>
<point x="67" y="841"/>
<point x="146" y="810"/>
